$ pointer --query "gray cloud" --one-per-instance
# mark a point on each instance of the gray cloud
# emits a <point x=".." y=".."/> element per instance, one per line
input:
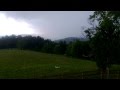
<point x="54" y="24"/>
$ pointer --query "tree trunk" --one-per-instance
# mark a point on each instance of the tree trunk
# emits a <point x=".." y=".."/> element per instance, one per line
<point x="107" y="69"/>
<point x="103" y="73"/>
<point x="107" y="72"/>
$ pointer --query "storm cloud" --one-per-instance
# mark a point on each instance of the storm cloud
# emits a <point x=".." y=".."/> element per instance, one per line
<point x="54" y="24"/>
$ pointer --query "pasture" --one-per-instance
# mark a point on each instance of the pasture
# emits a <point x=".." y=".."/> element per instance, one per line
<point x="20" y="64"/>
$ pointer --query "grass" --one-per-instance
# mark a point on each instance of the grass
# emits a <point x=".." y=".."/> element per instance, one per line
<point x="20" y="64"/>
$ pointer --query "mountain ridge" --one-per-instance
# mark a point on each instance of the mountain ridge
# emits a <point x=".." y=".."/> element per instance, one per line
<point x="71" y="39"/>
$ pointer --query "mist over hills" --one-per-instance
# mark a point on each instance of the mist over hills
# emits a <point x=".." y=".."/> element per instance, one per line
<point x="71" y="39"/>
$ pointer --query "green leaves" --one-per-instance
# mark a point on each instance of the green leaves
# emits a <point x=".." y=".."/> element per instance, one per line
<point x="105" y="36"/>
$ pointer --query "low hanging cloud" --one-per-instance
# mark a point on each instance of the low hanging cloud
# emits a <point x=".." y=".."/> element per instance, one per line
<point x="54" y="24"/>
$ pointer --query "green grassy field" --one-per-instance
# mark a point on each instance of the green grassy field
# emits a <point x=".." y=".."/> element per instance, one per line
<point x="18" y="64"/>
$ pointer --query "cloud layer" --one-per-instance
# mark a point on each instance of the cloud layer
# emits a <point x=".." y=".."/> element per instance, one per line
<point x="54" y="24"/>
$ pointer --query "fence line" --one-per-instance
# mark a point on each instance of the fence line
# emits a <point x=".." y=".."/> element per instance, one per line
<point x="112" y="74"/>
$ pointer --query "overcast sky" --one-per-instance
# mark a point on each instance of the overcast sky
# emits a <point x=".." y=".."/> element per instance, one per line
<point x="48" y="24"/>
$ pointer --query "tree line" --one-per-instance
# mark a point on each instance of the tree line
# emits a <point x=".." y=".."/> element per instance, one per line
<point x="78" y="49"/>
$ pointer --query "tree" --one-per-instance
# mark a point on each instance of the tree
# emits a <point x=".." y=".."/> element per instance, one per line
<point x="60" y="47"/>
<point x="76" y="49"/>
<point x="105" y="37"/>
<point x="48" y="46"/>
<point x="68" y="49"/>
<point x="79" y="49"/>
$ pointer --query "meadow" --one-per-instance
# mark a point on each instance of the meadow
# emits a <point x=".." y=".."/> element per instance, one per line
<point x="23" y="64"/>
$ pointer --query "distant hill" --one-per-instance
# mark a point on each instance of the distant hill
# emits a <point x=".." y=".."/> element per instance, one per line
<point x="71" y="39"/>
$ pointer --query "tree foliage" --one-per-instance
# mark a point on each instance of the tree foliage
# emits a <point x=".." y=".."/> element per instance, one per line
<point x="60" y="47"/>
<point x="77" y="49"/>
<point x="105" y="37"/>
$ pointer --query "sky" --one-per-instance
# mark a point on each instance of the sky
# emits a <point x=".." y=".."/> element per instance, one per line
<point x="48" y="24"/>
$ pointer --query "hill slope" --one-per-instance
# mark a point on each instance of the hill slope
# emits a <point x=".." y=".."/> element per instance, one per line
<point x="29" y="64"/>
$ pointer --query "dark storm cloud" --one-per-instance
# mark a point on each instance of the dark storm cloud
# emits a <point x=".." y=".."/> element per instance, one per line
<point x="54" y="24"/>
